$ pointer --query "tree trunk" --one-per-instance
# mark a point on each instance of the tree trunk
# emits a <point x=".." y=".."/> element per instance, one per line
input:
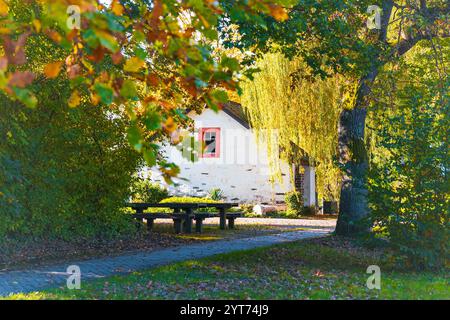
<point x="353" y="206"/>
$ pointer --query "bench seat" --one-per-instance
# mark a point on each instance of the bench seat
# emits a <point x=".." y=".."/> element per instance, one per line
<point x="231" y="216"/>
<point x="178" y="219"/>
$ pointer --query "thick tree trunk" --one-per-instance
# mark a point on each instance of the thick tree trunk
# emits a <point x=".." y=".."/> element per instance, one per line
<point x="353" y="206"/>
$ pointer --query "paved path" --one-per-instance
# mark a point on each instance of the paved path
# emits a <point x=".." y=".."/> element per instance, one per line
<point x="55" y="275"/>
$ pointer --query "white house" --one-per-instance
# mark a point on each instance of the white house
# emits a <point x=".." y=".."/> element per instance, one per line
<point x="227" y="156"/>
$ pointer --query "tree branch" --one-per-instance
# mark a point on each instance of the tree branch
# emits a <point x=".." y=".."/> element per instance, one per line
<point x="431" y="15"/>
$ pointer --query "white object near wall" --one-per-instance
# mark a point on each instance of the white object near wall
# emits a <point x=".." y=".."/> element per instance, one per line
<point x="309" y="195"/>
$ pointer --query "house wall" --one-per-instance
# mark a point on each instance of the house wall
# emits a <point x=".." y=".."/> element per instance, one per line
<point x="241" y="171"/>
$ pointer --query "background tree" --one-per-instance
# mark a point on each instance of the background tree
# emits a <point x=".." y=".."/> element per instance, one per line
<point x="409" y="166"/>
<point x="304" y="112"/>
<point x="135" y="37"/>
<point x="92" y="80"/>
<point x="333" y="34"/>
<point x="64" y="172"/>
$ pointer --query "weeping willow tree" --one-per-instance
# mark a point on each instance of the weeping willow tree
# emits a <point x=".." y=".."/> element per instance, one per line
<point x="304" y="110"/>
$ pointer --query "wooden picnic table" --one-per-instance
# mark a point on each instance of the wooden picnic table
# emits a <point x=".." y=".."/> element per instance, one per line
<point x="185" y="210"/>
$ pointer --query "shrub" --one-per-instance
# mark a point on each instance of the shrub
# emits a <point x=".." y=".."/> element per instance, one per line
<point x="144" y="190"/>
<point x="282" y="214"/>
<point x="246" y="208"/>
<point x="409" y="177"/>
<point x="294" y="202"/>
<point x="216" y="194"/>
<point x="63" y="172"/>
<point x="189" y="200"/>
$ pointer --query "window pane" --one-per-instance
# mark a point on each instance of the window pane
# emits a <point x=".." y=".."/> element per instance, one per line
<point x="210" y="142"/>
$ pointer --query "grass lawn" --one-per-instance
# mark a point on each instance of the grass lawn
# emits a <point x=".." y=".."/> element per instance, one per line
<point x="327" y="268"/>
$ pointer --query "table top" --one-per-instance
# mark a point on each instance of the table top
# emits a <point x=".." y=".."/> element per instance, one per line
<point x="182" y="205"/>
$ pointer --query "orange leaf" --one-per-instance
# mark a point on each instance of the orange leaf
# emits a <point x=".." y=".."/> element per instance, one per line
<point x="153" y="80"/>
<point x="157" y="12"/>
<point x="117" y="57"/>
<point x="52" y="34"/>
<point x="4" y="9"/>
<point x="170" y="125"/>
<point x="95" y="99"/>
<point x="278" y="12"/>
<point x="117" y="8"/>
<point x="52" y="69"/>
<point x="98" y="54"/>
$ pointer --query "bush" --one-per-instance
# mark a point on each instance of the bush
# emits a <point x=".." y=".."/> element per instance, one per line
<point x="294" y="202"/>
<point x="283" y="214"/>
<point x="189" y="200"/>
<point x="144" y="190"/>
<point x="409" y="177"/>
<point x="216" y="194"/>
<point x="245" y="208"/>
<point x="64" y="172"/>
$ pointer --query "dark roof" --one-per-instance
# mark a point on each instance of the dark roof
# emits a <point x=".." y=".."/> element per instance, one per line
<point x="235" y="110"/>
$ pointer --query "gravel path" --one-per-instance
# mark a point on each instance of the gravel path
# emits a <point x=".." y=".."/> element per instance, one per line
<point x="328" y="223"/>
<point x="279" y="222"/>
<point x="55" y="275"/>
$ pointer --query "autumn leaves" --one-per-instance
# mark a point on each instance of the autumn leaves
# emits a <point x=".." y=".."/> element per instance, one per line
<point x="152" y="59"/>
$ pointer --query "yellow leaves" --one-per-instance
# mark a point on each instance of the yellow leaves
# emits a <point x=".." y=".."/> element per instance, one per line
<point x="170" y="125"/>
<point x="4" y="30"/>
<point x="95" y="98"/>
<point x="117" y="8"/>
<point x="278" y="12"/>
<point x="52" y="69"/>
<point x="74" y="99"/>
<point x="4" y="8"/>
<point x="272" y="102"/>
<point x="133" y="64"/>
<point x="37" y="25"/>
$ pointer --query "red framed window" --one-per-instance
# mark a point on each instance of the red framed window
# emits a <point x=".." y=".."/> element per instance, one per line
<point x="210" y="142"/>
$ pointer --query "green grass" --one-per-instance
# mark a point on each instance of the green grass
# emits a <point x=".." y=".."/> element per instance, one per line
<point x="331" y="268"/>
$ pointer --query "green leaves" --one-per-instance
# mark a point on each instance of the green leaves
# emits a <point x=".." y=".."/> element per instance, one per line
<point x="105" y="92"/>
<point x="152" y="120"/>
<point x="128" y="90"/>
<point x="163" y="60"/>
<point x="134" y="137"/>
<point x="217" y="97"/>
<point x="149" y="156"/>
<point x="26" y="97"/>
